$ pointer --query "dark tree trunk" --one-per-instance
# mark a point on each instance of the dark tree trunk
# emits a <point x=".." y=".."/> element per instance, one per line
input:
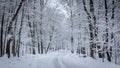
<point x="50" y="39"/>
<point x="1" y="37"/>
<point x="8" y="48"/>
<point x="14" y="40"/>
<point x="38" y="47"/>
<point x="20" y="32"/>
<point x="90" y="28"/>
<point x="93" y="28"/>
<point x="107" y="35"/>
<point x="33" y="38"/>
<point x="10" y="29"/>
<point x="41" y="47"/>
<point x="41" y="22"/>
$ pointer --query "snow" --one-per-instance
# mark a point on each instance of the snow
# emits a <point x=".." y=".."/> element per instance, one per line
<point x="58" y="59"/>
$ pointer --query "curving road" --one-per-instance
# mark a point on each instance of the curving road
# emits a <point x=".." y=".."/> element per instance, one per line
<point x="60" y="60"/>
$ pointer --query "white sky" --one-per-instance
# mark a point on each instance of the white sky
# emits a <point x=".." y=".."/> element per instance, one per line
<point x="60" y="8"/>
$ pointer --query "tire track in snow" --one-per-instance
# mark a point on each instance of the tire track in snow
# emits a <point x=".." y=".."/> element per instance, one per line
<point x="66" y="64"/>
<point x="71" y="63"/>
<point x="61" y="61"/>
<point x="56" y="63"/>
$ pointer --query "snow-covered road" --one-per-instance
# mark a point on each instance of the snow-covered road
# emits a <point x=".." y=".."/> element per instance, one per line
<point x="60" y="59"/>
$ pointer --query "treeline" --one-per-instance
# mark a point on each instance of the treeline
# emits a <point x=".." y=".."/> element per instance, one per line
<point x="28" y="26"/>
<point x="95" y="28"/>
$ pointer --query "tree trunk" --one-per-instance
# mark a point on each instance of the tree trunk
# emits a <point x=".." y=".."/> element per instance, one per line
<point x="1" y="37"/>
<point x="10" y="29"/>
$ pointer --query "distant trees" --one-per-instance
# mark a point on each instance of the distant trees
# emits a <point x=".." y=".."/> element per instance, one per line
<point x="26" y="29"/>
<point x="99" y="17"/>
<point x="104" y="43"/>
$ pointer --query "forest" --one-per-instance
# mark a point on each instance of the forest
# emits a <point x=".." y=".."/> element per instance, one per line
<point x="87" y="28"/>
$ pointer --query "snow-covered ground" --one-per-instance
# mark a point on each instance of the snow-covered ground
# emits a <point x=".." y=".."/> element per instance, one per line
<point x="59" y="59"/>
